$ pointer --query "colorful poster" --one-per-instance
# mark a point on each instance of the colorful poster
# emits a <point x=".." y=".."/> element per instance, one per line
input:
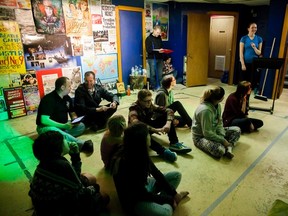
<point x="15" y="102"/>
<point x="77" y="17"/>
<point x="75" y="76"/>
<point x="46" y="80"/>
<point x="24" y="4"/>
<point x="77" y="46"/>
<point x="161" y="18"/>
<point x="31" y="98"/>
<point x="9" y="3"/>
<point x="29" y="78"/>
<point x="104" y="66"/>
<point x="48" y="51"/>
<point x="108" y="16"/>
<point x="48" y="16"/>
<point x="3" y="107"/>
<point x="7" y="14"/>
<point x="11" y="49"/>
<point x="25" y="20"/>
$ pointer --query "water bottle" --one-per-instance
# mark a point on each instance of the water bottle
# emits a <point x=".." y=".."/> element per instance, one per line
<point x="128" y="90"/>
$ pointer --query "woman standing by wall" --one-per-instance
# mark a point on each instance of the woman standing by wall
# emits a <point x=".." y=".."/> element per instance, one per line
<point x="250" y="47"/>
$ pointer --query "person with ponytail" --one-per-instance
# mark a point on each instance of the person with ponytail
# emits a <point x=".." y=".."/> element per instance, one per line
<point x="208" y="132"/>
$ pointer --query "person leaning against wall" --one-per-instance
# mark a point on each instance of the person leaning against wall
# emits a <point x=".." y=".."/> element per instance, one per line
<point x="88" y="97"/>
<point x="53" y="113"/>
<point x="250" y="47"/>
<point x="154" y="49"/>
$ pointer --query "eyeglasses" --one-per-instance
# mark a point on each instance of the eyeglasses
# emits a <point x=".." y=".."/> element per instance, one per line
<point x="147" y="101"/>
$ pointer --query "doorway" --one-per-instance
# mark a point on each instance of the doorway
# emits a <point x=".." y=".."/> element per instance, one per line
<point x="128" y="38"/>
<point x="220" y="42"/>
<point x="194" y="73"/>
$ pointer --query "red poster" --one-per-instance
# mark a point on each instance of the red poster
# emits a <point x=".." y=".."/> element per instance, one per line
<point x="15" y="102"/>
<point x="46" y="80"/>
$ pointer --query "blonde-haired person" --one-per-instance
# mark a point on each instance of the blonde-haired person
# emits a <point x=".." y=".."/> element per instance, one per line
<point x="208" y="132"/>
<point x="236" y="109"/>
<point x="112" y="139"/>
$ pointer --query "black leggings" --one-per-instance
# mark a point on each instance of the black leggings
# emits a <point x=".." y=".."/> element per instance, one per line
<point x="244" y="123"/>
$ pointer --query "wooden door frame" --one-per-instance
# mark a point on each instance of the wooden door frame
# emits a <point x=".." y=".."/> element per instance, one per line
<point x="282" y="54"/>
<point x="234" y="40"/>
<point x="119" y="58"/>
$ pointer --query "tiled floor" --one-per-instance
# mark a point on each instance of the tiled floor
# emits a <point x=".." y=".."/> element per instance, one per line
<point x="248" y="185"/>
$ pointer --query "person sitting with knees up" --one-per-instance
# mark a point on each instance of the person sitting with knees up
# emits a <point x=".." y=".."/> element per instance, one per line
<point x="159" y="120"/>
<point x="88" y="97"/>
<point x="236" y="109"/>
<point x="56" y="188"/>
<point x="208" y="132"/>
<point x="141" y="187"/>
<point x="53" y="112"/>
<point x="112" y="139"/>
<point x="165" y="97"/>
<point x="168" y="68"/>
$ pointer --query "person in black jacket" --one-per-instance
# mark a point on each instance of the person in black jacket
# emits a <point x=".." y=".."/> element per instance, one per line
<point x="88" y="97"/>
<point x="57" y="188"/>
<point x="142" y="189"/>
<point x="154" y="50"/>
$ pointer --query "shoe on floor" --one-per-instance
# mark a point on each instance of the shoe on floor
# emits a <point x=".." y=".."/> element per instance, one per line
<point x="169" y="155"/>
<point x="180" y="148"/>
<point x="229" y="155"/>
<point x="94" y="127"/>
<point x="88" y="147"/>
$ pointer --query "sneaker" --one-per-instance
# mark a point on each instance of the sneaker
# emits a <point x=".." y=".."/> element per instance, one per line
<point x="169" y="156"/>
<point x="88" y="148"/>
<point x="179" y="148"/>
<point x="229" y="153"/>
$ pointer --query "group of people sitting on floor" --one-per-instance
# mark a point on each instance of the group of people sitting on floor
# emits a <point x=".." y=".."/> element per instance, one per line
<point x="59" y="187"/>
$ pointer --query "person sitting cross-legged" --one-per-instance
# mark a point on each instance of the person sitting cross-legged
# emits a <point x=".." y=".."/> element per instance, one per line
<point x="53" y="112"/>
<point x="159" y="120"/>
<point x="141" y="187"/>
<point x="88" y="97"/>
<point x="112" y="139"/>
<point x="57" y="188"/>
<point x="165" y="97"/>
<point x="237" y="107"/>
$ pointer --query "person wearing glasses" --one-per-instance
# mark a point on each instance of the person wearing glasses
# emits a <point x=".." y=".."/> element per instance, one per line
<point x="159" y="121"/>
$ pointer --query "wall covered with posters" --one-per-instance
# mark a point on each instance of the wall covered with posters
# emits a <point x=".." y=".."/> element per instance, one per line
<point x="41" y="40"/>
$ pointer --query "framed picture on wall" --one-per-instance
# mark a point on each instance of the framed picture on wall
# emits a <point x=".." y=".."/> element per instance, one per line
<point x="160" y="16"/>
<point x="46" y="80"/>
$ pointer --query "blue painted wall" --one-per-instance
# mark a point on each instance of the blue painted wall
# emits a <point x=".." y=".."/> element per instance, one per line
<point x="268" y="18"/>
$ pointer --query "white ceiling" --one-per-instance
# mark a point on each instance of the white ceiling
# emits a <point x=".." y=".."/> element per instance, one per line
<point x="245" y="2"/>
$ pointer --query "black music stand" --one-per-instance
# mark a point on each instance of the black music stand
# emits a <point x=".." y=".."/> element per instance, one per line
<point x="268" y="63"/>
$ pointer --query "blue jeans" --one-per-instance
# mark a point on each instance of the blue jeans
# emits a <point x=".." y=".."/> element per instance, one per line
<point x="69" y="135"/>
<point x="155" y="209"/>
<point x="156" y="66"/>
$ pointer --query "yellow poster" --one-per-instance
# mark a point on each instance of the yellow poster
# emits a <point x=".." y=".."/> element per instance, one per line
<point x="11" y="49"/>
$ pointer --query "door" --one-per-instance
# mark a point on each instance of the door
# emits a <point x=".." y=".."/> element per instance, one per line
<point x="197" y="49"/>
<point x="220" y="43"/>
<point x="130" y="40"/>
